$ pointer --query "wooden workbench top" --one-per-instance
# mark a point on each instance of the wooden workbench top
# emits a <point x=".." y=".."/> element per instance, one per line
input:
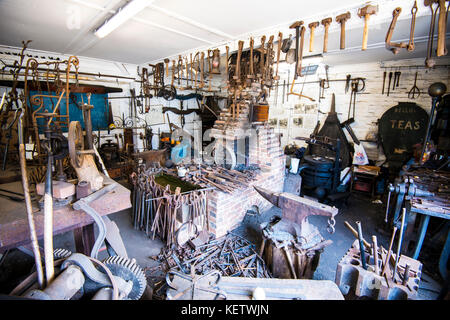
<point x="14" y="230"/>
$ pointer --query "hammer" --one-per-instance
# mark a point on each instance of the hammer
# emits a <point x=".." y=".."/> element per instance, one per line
<point x="296" y="25"/>
<point x="312" y="26"/>
<point x="326" y="23"/>
<point x="341" y="19"/>
<point x="366" y="12"/>
<point x="442" y="25"/>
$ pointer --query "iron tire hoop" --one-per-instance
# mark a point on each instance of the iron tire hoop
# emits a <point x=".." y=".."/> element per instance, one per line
<point x="184" y="233"/>
<point x="76" y="143"/>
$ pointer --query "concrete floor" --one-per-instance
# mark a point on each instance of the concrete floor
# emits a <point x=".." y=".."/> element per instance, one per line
<point x="140" y="247"/>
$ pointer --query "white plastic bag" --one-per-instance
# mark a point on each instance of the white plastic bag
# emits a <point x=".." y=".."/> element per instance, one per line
<point x="360" y="156"/>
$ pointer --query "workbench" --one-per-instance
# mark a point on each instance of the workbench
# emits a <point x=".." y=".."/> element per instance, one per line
<point x="14" y="230"/>
<point x="424" y="207"/>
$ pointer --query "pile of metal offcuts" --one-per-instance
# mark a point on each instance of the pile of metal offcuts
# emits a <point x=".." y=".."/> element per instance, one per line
<point x="230" y="255"/>
<point x="225" y="180"/>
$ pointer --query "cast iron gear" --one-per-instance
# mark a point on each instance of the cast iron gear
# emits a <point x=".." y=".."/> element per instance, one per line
<point x="61" y="254"/>
<point x="128" y="270"/>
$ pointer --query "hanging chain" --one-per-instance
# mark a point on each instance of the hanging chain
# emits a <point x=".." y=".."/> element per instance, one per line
<point x="331" y="224"/>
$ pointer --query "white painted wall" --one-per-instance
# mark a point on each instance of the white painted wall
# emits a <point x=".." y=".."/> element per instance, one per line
<point x="370" y="105"/>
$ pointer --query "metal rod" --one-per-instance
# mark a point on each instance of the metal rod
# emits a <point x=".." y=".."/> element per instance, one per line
<point x="29" y="207"/>
<point x="361" y="245"/>
<point x="400" y="240"/>
<point x="205" y="189"/>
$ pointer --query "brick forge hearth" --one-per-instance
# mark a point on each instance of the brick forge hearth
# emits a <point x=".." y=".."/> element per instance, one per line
<point x="227" y="210"/>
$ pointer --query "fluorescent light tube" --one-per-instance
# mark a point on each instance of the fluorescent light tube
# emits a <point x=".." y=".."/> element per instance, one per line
<point x="126" y="12"/>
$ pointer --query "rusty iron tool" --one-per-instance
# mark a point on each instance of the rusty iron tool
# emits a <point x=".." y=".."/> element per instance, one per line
<point x="415" y="91"/>
<point x="296" y="25"/>
<point x="375" y="254"/>
<point x="173" y="73"/>
<point x="348" y="80"/>
<point x="411" y="46"/>
<point x="296" y="208"/>
<point x="326" y="23"/>
<point x="251" y="73"/>
<point x="167" y="61"/>
<point x="342" y="19"/>
<point x="392" y="46"/>
<point x="261" y="58"/>
<point x="366" y="12"/>
<point x="312" y="26"/>
<point x="386" y="262"/>
<point x="286" y="44"/>
<point x="389" y="83"/>
<point x="209" y="71"/>
<point x="202" y="67"/>
<point x="237" y="76"/>
<point x="268" y="61"/>
<point x="280" y="38"/>
<point x="395" y="47"/>
<point x="302" y="40"/>
<point x="384" y="81"/>
<point x="361" y="245"/>
<point x="227" y="49"/>
<point x="429" y="61"/>
<point x="191" y="69"/>
<point x="442" y="28"/>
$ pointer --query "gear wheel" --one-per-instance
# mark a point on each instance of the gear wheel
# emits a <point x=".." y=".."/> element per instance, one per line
<point x="128" y="270"/>
<point x="61" y="254"/>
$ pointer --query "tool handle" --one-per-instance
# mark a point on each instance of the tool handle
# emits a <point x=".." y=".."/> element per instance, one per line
<point x="342" y="44"/>
<point x="442" y="25"/>
<point x="325" y="40"/>
<point x="365" y="32"/>
<point x="311" y="40"/>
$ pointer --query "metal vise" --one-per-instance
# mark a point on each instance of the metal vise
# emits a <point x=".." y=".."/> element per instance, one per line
<point x="405" y="189"/>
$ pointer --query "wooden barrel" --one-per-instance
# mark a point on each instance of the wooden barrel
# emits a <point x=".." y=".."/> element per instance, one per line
<point x="260" y="113"/>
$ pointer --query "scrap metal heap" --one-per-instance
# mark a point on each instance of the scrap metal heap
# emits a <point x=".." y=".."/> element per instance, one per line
<point x="225" y="180"/>
<point x="230" y="255"/>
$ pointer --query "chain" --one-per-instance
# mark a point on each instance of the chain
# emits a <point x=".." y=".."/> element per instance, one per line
<point x="331" y="224"/>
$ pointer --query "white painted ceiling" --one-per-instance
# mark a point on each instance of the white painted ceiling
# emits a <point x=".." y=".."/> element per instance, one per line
<point x="167" y="28"/>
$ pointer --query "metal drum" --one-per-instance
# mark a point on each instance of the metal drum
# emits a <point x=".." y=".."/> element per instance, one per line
<point x="317" y="175"/>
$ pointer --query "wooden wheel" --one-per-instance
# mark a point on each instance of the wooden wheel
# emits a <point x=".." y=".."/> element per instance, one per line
<point x="76" y="143"/>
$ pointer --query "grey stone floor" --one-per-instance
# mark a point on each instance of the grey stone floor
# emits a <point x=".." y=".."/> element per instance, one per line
<point x="140" y="247"/>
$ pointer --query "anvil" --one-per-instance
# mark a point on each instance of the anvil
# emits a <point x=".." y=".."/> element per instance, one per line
<point x="296" y="208"/>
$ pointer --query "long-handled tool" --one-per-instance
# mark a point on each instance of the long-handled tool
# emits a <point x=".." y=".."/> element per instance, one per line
<point x="48" y="206"/>
<point x="429" y="61"/>
<point x="366" y="12"/>
<point x="442" y="27"/>
<point x="386" y="261"/>
<point x="29" y="207"/>
<point x="341" y="19"/>
<point x="312" y="26"/>
<point x="384" y="81"/>
<point x="296" y="25"/>
<point x="375" y="254"/>
<point x="361" y="245"/>
<point x="326" y="23"/>
<point x="399" y="245"/>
